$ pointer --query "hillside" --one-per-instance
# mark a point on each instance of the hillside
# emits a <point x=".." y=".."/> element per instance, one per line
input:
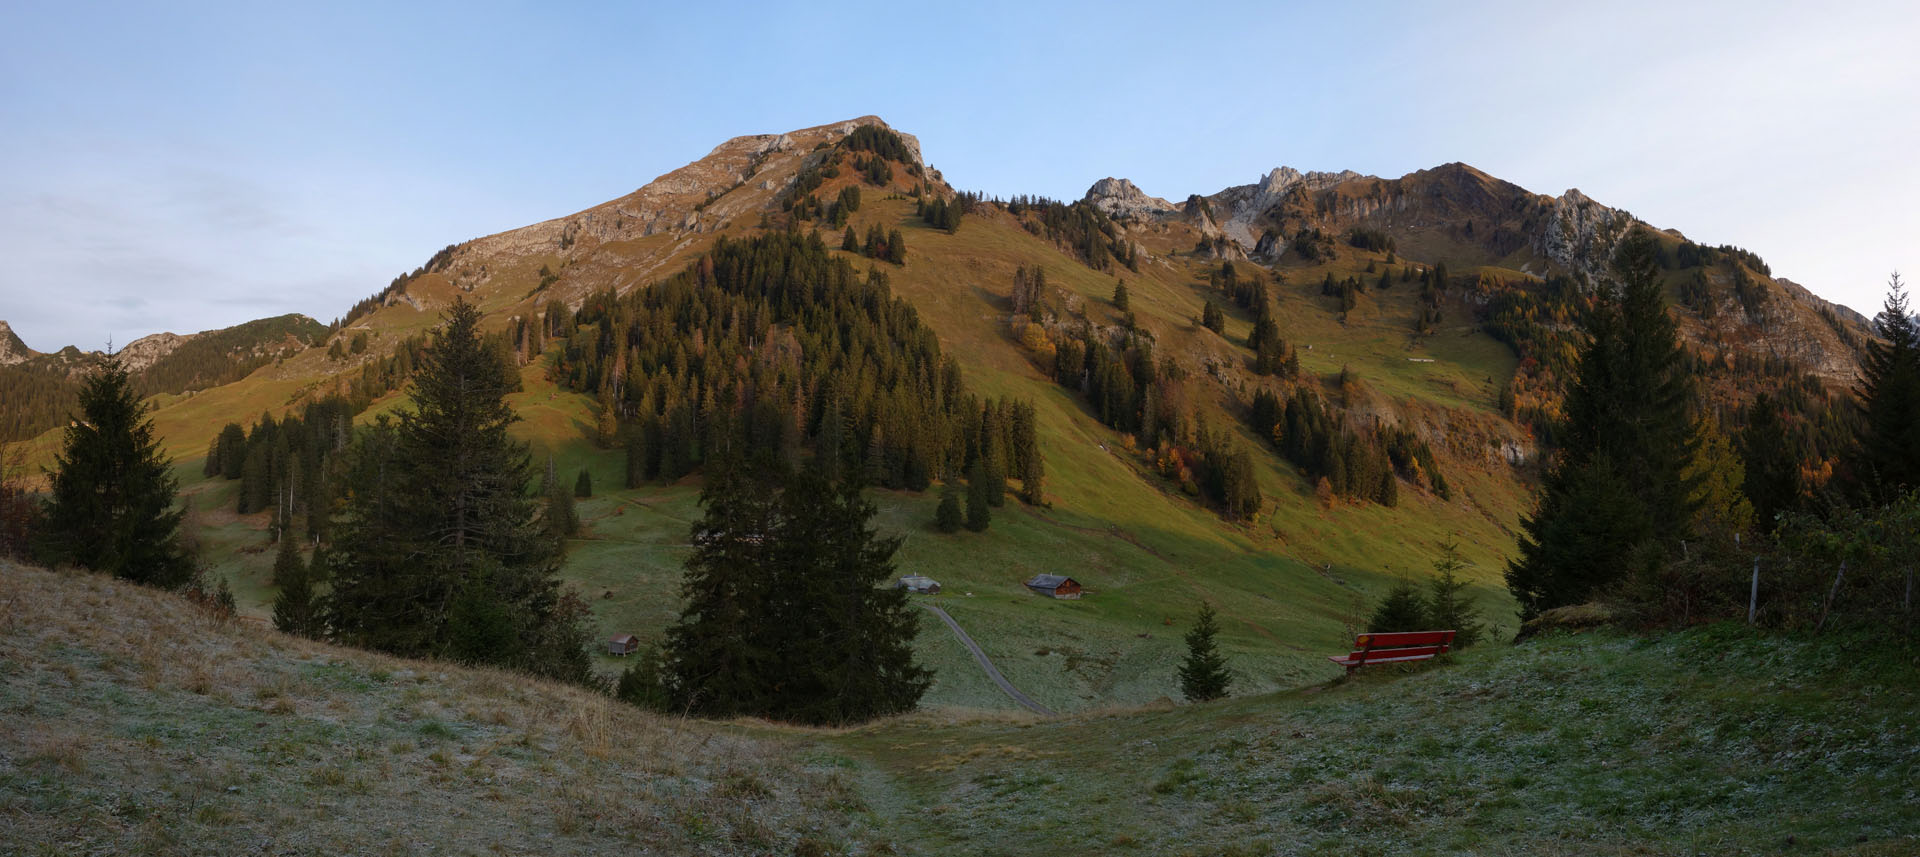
<point x="40" y="388"/>
<point x="1464" y="364"/>
<point x="133" y="722"/>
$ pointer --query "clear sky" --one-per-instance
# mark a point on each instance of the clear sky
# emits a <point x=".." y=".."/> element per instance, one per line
<point x="194" y="165"/>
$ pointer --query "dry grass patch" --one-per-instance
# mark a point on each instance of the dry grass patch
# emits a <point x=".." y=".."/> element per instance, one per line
<point x="219" y="737"/>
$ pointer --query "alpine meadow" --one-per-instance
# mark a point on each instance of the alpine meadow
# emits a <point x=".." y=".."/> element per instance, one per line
<point x="808" y="500"/>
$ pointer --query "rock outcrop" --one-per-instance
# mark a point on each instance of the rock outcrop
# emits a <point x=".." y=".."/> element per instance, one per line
<point x="147" y="350"/>
<point x="1122" y="200"/>
<point x="12" y="350"/>
<point x="1238" y="210"/>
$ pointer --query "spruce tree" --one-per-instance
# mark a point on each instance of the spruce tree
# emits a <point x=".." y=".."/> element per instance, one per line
<point x="1212" y="318"/>
<point x="1885" y="459"/>
<point x="717" y="659"/>
<point x="295" y="609"/>
<point x="562" y="519"/>
<point x="1629" y="434"/>
<point x="1204" y="675"/>
<point x="1120" y="297"/>
<point x="1404" y="609"/>
<point x="286" y="561"/>
<point x="979" y="506"/>
<point x="111" y="500"/>
<point x="438" y="515"/>
<point x="785" y="613"/>
<point x="1448" y="608"/>
<point x="1717" y="474"/>
<point x="583" y="486"/>
<point x="847" y="653"/>
<point x="1772" y="481"/>
<point x="948" y="518"/>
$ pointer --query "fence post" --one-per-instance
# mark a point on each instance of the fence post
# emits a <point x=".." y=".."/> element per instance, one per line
<point x="1753" y="597"/>
<point x="1835" y="590"/>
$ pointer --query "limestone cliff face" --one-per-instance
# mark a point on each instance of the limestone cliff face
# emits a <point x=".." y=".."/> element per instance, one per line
<point x="1240" y="209"/>
<point x="1122" y="200"/>
<point x="12" y="350"/>
<point x="145" y="351"/>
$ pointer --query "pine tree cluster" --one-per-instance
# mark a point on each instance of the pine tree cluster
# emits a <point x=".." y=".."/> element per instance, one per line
<point x="1365" y="465"/>
<point x="289" y="466"/>
<point x="776" y="343"/>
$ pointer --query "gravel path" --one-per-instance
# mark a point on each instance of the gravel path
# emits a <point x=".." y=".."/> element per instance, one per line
<point x="992" y="671"/>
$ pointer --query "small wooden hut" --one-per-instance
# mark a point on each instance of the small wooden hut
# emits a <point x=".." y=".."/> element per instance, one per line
<point x="623" y="644"/>
<point x="1055" y="586"/>
<point x="919" y="583"/>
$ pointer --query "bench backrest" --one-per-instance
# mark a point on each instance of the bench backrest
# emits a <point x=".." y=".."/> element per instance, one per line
<point x="1401" y="645"/>
<point x="1397" y="639"/>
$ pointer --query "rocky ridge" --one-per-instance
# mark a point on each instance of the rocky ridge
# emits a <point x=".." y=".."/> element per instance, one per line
<point x="635" y="238"/>
<point x="1123" y="200"/>
<point x="12" y="350"/>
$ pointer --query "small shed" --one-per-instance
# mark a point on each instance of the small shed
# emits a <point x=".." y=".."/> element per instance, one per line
<point x="623" y="644"/>
<point x="919" y="583"/>
<point x="1055" y="585"/>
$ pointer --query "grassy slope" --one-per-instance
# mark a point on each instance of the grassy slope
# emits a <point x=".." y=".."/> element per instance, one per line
<point x="1288" y="584"/>
<point x="132" y="722"/>
<point x="1713" y="741"/>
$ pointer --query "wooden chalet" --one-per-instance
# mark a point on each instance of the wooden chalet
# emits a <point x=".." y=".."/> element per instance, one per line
<point x="623" y="644"/>
<point x="919" y="583"/>
<point x="1055" y="585"/>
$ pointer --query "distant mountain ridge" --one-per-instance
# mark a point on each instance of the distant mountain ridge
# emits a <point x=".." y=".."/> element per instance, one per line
<point x="1463" y="216"/>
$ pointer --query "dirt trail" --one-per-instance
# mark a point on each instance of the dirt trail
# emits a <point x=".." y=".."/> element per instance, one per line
<point x="992" y="671"/>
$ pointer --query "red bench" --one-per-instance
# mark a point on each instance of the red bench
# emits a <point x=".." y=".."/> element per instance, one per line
<point x="1387" y="648"/>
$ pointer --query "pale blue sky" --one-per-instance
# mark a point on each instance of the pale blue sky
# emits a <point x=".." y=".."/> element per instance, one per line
<point x="190" y="166"/>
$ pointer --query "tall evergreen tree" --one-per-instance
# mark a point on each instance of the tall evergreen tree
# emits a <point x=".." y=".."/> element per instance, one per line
<point x="979" y="502"/>
<point x="785" y="616"/>
<point x="295" y="608"/>
<point x="111" y="503"/>
<point x="438" y="511"/>
<point x="1628" y="430"/>
<point x="1204" y="675"/>
<point x="848" y="650"/>
<point x="1885" y="459"/>
<point x="948" y="518"/>
<point x="1717" y="474"/>
<point x="716" y="658"/>
<point x="1772" y="481"/>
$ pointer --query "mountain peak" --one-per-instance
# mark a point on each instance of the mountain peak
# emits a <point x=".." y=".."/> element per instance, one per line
<point x="12" y="350"/>
<point x="1122" y="198"/>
